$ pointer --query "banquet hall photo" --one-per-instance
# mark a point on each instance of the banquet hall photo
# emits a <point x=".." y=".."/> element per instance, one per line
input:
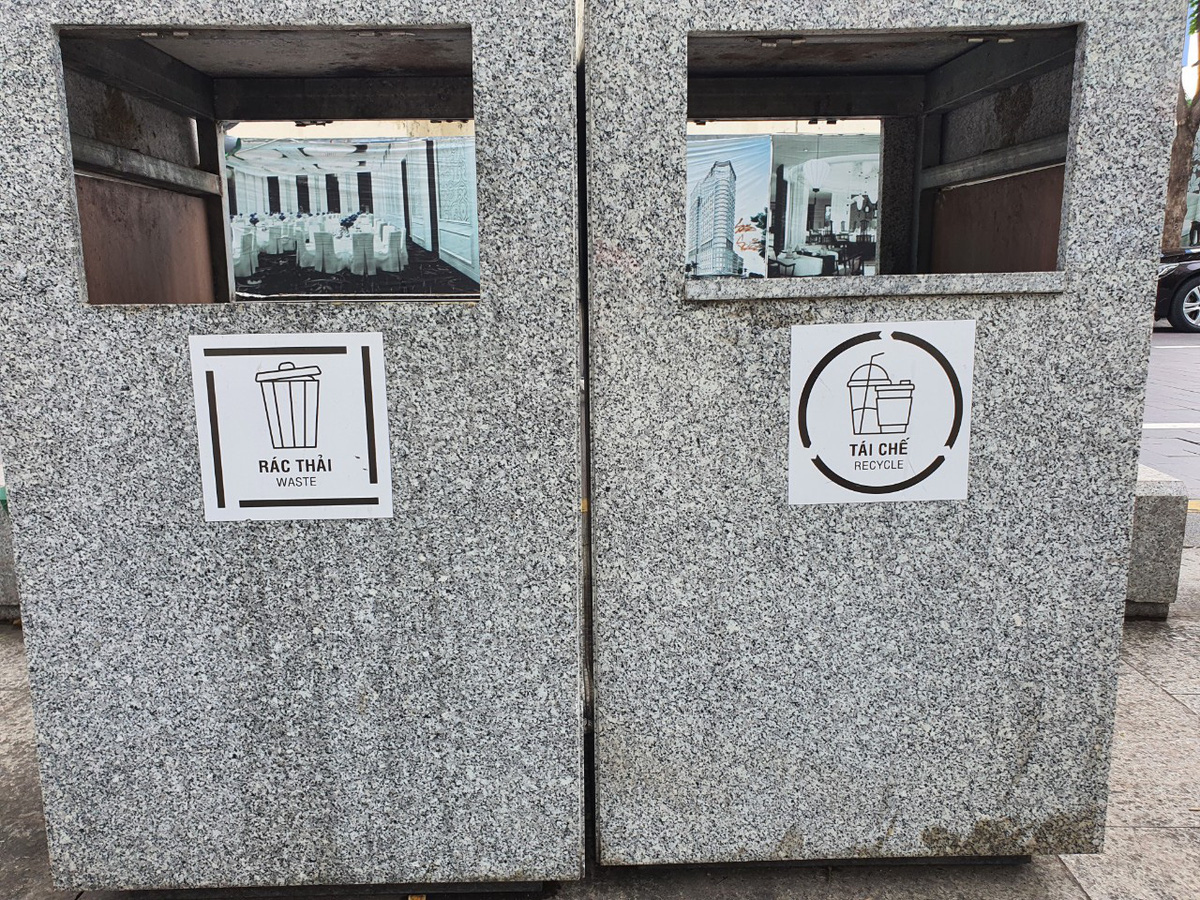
<point x="364" y="217"/>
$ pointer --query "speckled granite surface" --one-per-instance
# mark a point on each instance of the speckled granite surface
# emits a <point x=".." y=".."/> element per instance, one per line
<point x="1160" y="512"/>
<point x="307" y="702"/>
<point x="780" y="682"/>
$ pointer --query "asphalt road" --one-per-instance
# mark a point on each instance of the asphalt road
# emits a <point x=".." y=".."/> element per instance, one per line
<point x="1171" y="433"/>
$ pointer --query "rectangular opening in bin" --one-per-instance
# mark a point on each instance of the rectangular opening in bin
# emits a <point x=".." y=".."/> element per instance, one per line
<point x="274" y="164"/>
<point x="865" y="153"/>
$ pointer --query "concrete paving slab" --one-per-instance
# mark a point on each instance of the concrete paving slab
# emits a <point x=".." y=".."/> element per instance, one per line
<point x="13" y="672"/>
<point x="1168" y="653"/>
<point x="1142" y="864"/>
<point x="24" y="865"/>
<point x="17" y="717"/>
<point x="1044" y="878"/>
<point x="1187" y="602"/>
<point x="25" y="874"/>
<point x="1155" y="775"/>
<point x="1191" y="701"/>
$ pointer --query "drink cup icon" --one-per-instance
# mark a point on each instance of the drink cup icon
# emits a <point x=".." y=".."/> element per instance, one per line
<point x="879" y="405"/>
<point x="895" y="407"/>
<point x="291" y="401"/>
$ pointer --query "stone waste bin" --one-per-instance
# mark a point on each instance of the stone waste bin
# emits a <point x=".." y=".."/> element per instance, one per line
<point x="811" y="640"/>
<point x="241" y="677"/>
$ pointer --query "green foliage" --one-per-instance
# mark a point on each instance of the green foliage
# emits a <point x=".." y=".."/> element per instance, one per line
<point x="1193" y="16"/>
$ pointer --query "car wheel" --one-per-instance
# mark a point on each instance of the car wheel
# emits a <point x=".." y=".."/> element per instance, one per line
<point x="1185" y="308"/>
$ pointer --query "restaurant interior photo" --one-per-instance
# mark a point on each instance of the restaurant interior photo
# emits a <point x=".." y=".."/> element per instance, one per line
<point x="380" y="210"/>
<point x="815" y="183"/>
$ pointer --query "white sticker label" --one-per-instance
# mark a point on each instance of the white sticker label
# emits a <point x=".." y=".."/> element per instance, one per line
<point x="292" y="426"/>
<point x="880" y="412"/>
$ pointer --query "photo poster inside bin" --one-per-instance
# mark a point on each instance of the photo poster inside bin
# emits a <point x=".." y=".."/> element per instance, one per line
<point x="727" y="184"/>
<point x="292" y="426"/>
<point x="880" y="412"/>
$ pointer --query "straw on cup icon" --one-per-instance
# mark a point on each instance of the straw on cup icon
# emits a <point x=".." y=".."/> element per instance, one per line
<point x="291" y="401"/>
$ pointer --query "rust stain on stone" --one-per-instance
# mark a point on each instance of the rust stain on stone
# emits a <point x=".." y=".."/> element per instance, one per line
<point x="1012" y="112"/>
<point x="1060" y="833"/>
<point x="116" y="123"/>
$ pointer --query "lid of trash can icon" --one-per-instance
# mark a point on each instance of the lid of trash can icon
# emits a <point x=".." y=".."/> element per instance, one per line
<point x="288" y="372"/>
<point x="291" y="403"/>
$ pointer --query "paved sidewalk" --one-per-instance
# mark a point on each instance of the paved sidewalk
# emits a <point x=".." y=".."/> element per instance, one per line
<point x="1153" y="849"/>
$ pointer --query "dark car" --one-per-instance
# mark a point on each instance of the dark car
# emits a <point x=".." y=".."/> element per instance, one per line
<point x="1179" y="289"/>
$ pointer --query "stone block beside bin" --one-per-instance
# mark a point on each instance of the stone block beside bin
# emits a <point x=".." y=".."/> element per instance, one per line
<point x="1159" y="520"/>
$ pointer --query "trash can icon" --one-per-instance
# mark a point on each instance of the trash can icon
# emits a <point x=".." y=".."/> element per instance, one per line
<point x="879" y="405"/>
<point x="291" y="401"/>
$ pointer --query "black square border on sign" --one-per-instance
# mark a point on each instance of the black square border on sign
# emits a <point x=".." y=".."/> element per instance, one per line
<point x="369" y="421"/>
